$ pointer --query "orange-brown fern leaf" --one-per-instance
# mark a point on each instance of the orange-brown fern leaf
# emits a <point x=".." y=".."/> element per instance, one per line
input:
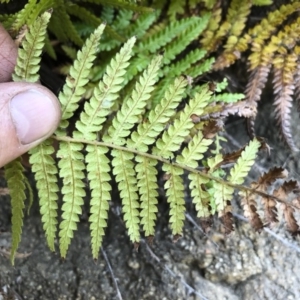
<point x="284" y="192"/>
<point x="250" y="212"/>
<point x="264" y="182"/>
<point x="268" y="178"/>
<point x="285" y="67"/>
<point x="226" y="218"/>
<point x="257" y="82"/>
<point x="241" y="108"/>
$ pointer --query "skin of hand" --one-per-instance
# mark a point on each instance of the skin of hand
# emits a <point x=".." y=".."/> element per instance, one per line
<point x="29" y="112"/>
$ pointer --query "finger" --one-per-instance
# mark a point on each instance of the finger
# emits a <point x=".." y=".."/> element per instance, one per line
<point x="29" y="113"/>
<point x="8" y="55"/>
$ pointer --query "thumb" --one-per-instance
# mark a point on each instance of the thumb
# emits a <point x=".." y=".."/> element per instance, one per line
<point x="29" y="113"/>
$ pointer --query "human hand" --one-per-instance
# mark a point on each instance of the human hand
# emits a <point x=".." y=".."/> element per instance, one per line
<point x="29" y="112"/>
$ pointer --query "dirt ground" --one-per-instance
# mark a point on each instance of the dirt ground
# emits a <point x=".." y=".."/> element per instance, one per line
<point x="244" y="265"/>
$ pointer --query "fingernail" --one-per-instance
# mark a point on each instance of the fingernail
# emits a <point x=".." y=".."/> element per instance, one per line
<point x="33" y="115"/>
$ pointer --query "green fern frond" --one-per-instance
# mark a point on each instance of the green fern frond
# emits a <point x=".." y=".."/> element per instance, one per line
<point x="165" y="36"/>
<point x="83" y="14"/>
<point x="244" y="163"/>
<point x="107" y="14"/>
<point x="71" y="171"/>
<point x="123" y="170"/>
<point x="147" y="184"/>
<point x="185" y="37"/>
<point x="262" y="2"/>
<point x="29" y="56"/>
<point x="190" y="156"/>
<point x="22" y="16"/>
<point x="184" y="64"/>
<point x="133" y="107"/>
<point x="75" y="84"/>
<point x="30" y="194"/>
<point x="45" y="174"/>
<point x="172" y="139"/>
<point x="147" y="132"/>
<point x="98" y="175"/>
<point x="15" y="182"/>
<point x="175" y="196"/>
<point x="201" y="197"/>
<point x="105" y="94"/>
<point x="228" y="97"/>
<point x="176" y="7"/>
<point x="140" y="27"/>
<point x="193" y="153"/>
<point x="49" y="49"/>
<point x="69" y="30"/>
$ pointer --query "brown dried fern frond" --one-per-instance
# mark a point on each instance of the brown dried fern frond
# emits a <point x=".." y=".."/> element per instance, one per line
<point x="226" y="218"/>
<point x="265" y="182"/>
<point x="248" y="201"/>
<point x="285" y="191"/>
<point x="288" y="190"/>
<point x="284" y="87"/>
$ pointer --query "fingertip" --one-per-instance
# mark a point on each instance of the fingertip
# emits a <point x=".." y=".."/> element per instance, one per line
<point x="8" y="55"/>
<point x="29" y="114"/>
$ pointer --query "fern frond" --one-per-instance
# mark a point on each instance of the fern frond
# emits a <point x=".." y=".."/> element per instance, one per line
<point x="172" y="139"/>
<point x="256" y="83"/>
<point x="123" y="169"/>
<point x="224" y="193"/>
<point x="193" y="153"/>
<point x="75" y="84"/>
<point x="264" y="183"/>
<point x="284" y="191"/>
<point x="22" y="16"/>
<point x="262" y="2"/>
<point x="184" y="64"/>
<point x="140" y="27"/>
<point x="107" y="14"/>
<point x="185" y="38"/>
<point x="208" y="40"/>
<point x="285" y="67"/>
<point x="190" y="156"/>
<point x="15" y="182"/>
<point x="123" y="4"/>
<point x="147" y="132"/>
<point x="105" y="94"/>
<point x="98" y="175"/>
<point x="244" y="163"/>
<point x="68" y="28"/>
<point x="133" y="107"/>
<point x="45" y="174"/>
<point x="147" y="184"/>
<point x="71" y="171"/>
<point x="176" y="7"/>
<point x="29" y="56"/>
<point x="201" y="197"/>
<point x="83" y="14"/>
<point x="175" y="196"/>
<point x="166" y="35"/>
<point x="250" y="212"/>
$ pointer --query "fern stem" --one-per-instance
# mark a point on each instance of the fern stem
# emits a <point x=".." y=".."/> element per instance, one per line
<point x="167" y="161"/>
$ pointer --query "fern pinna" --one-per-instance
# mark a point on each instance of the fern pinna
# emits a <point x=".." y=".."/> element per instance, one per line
<point x="118" y="123"/>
